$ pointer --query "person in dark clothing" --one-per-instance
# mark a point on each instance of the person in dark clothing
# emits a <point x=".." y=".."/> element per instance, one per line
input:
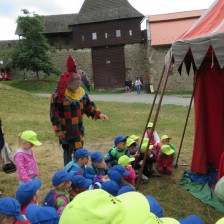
<point x="2" y="142"/>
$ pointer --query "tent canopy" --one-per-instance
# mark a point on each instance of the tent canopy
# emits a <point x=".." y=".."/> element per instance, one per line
<point x="203" y="47"/>
<point x="207" y="31"/>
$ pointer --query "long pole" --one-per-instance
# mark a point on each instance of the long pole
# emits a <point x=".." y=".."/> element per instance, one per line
<point x="166" y="72"/>
<point x="150" y="113"/>
<point x="185" y="126"/>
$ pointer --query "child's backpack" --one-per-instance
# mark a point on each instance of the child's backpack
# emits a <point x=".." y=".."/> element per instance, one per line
<point x="51" y="201"/>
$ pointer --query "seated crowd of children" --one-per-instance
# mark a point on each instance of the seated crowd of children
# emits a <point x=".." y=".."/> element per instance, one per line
<point x="92" y="175"/>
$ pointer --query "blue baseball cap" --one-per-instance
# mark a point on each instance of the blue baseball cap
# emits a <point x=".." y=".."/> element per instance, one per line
<point x="81" y="152"/>
<point x="115" y="176"/>
<point x="193" y="219"/>
<point x="155" y="207"/>
<point x="26" y="191"/>
<point x="11" y="206"/>
<point x="120" y="138"/>
<point x="125" y="189"/>
<point x="111" y="187"/>
<point x="96" y="157"/>
<point x="61" y="176"/>
<point x="80" y="182"/>
<point x="37" y="214"/>
<point x="121" y="170"/>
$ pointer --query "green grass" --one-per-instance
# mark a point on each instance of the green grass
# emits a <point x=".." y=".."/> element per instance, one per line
<point x="34" y="86"/>
<point x="180" y="93"/>
<point x="48" y="84"/>
<point x="21" y="110"/>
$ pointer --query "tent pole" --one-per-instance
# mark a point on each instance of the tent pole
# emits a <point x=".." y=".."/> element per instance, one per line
<point x="166" y="72"/>
<point x="185" y="126"/>
<point x="153" y="103"/>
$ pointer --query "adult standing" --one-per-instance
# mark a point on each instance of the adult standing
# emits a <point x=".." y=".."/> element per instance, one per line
<point x="138" y="85"/>
<point x="2" y="142"/>
<point x="68" y="104"/>
<point x="141" y="80"/>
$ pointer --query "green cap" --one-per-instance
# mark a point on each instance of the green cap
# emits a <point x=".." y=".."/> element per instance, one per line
<point x="144" y="145"/>
<point x="30" y="136"/>
<point x="98" y="206"/>
<point x="150" y="124"/>
<point x="167" y="220"/>
<point x="165" y="137"/>
<point x="167" y="150"/>
<point x="134" y="137"/>
<point x="220" y="221"/>
<point x="130" y="142"/>
<point x="125" y="160"/>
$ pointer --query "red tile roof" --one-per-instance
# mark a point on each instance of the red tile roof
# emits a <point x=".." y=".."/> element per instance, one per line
<point x="166" y="28"/>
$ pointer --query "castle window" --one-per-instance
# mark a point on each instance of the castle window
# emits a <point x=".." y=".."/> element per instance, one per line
<point x="106" y="35"/>
<point x="83" y="38"/>
<point x="94" y="36"/>
<point x="118" y="33"/>
<point x="130" y="32"/>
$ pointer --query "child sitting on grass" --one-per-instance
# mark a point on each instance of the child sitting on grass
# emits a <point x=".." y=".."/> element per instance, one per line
<point x="166" y="140"/>
<point x="165" y="160"/>
<point x="10" y="211"/>
<point x="24" y="158"/>
<point x="111" y="158"/>
<point x="79" y="184"/>
<point x="98" y="167"/>
<point x="155" y="140"/>
<point x="42" y="215"/>
<point x="132" y="148"/>
<point x="26" y="194"/>
<point x="111" y="187"/>
<point x="149" y="168"/>
<point x="78" y="166"/>
<point x="61" y="182"/>
<point x="125" y="161"/>
<point x="137" y="141"/>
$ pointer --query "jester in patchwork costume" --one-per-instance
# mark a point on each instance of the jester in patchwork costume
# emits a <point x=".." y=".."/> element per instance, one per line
<point x="69" y="102"/>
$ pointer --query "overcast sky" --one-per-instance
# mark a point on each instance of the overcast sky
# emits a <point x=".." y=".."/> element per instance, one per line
<point x="11" y="9"/>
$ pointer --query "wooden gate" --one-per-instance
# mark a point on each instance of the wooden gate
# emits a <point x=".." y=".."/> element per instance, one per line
<point x="108" y="67"/>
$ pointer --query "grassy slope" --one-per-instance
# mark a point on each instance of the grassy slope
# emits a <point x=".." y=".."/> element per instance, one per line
<point x="46" y="86"/>
<point x="21" y="110"/>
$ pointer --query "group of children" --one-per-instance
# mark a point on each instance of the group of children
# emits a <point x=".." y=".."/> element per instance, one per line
<point x="116" y="173"/>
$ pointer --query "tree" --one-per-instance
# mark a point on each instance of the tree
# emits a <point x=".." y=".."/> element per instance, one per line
<point x="32" y="50"/>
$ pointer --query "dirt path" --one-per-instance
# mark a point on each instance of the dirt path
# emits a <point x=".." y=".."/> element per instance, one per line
<point x="133" y="97"/>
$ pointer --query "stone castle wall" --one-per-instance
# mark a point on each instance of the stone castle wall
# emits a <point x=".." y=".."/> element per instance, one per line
<point x="176" y="82"/>
<point x="141" y="60"/>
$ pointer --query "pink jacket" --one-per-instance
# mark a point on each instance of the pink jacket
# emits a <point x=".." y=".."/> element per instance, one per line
<point x="26" y="165"/>
<point x="131" y="178"/>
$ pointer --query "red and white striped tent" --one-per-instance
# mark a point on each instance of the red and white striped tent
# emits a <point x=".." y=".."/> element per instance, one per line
<point x="202" y="47"/>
